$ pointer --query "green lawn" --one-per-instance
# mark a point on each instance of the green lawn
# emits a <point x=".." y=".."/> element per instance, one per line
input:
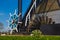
<point x="29" y="38"/>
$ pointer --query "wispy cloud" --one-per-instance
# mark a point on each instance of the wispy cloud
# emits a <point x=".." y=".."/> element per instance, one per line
<point x="1" y="14"/>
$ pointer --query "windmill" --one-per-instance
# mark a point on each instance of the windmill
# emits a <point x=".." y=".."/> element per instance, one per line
<point x="13" y="22"/>
<point x="45" y="13"/>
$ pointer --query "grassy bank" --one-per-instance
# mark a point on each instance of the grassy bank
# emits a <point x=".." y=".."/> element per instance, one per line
<point x="29" y="38"/>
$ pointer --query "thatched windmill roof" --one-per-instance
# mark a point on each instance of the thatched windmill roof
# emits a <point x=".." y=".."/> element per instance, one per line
<point x="50" y="5"/>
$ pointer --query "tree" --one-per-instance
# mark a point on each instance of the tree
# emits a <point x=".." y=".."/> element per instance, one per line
<point x="1" y="25"/>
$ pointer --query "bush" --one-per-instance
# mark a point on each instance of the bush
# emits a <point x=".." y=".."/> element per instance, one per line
<point x="36" y="32"/>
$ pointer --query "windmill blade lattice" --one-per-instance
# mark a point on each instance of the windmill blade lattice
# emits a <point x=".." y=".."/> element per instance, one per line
<point x="13" y="21"/>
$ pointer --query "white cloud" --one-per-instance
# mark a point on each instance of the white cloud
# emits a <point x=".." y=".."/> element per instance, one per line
<point x="1" y="14"/>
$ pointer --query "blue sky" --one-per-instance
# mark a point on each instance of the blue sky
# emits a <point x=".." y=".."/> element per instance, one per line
<point x="8" y="6"/>
<point x="25" y="6"/>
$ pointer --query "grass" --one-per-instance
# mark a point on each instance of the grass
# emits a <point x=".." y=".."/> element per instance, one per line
<point x="29" y="38"/>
